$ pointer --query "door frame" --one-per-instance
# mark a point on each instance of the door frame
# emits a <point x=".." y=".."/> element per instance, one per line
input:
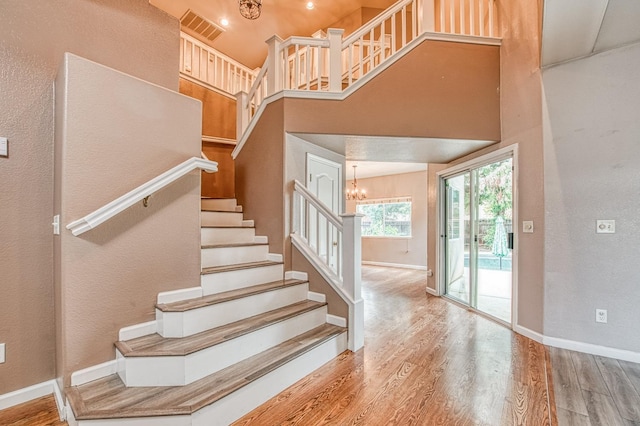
<point x="492" y="157"/>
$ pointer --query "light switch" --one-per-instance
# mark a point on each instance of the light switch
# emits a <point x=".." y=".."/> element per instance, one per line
<point x="527" y="226"/>
<point x="4" y="147"/>
<point x="605" y="226"/>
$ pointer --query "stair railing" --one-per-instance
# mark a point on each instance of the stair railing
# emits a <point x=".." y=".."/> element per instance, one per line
<point x="327" y="64"/>
<point x="205" y="64"/>
<point x="332" y="244"/>
<point x="141" y="193"/>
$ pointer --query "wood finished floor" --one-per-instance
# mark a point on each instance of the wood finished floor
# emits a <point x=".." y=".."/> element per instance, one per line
<point x="593" y="390"/>
<point x="425" y="362"/>
<point x="429" y="362"/>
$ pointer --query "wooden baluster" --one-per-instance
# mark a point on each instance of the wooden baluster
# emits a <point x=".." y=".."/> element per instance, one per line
<point x="243" y="117"/>
<point x="462" y="23"/>
<point x="403" y="26"/>
<point x="472" y="17"/>
<point x="393" y="33"/>
<point x="481" y="13"/>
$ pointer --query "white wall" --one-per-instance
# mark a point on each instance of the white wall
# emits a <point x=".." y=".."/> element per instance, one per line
<point x="592" y="159"/>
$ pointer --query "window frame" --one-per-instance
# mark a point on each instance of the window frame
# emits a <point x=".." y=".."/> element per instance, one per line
<point x="383" y="201"/>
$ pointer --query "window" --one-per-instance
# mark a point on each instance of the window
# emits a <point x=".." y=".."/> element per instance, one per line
<point x="386" y="218"/>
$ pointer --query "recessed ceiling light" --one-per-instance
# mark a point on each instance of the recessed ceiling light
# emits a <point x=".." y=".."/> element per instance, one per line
<point x="224" y="22"/>
<point x="310" y="5"/>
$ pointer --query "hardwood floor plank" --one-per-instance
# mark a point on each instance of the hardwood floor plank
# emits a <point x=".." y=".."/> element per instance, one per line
<point x="569" y="418"/>
<point x="622" y="390"/>
<point x="588" y="373"/>
<point x="602" y="410"/>
<point x="39" y="412"/>
<point x="567" y="387"/>
<point x="632" y="370"/>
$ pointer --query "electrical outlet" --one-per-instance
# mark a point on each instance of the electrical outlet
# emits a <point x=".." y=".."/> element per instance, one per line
<point x="601" y="315"/>
<point x="4" y="147"/>
<point x="605" y="226"/>
<point x="2" y="353"/>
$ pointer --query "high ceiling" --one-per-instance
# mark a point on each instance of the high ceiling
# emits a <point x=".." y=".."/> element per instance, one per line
<point x="244" y="40"/>
<point x="576" y="28"/>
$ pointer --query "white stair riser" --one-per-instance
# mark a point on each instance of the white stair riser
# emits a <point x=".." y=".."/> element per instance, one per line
<point x="220" y="256"/>
<point x="245" y="399"/>
<point x="182" y="370"/>
<point x="240" y="278"/>
<point x="181" y="324"/>
<point x="223" y="204"/>
<point x="227" y="235"/>
<point x="220" y="219"/>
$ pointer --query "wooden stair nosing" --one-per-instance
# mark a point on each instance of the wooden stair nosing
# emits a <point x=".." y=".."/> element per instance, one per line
<point x="155" y="345"/>
<point x="232" y="245"/>
<point x="181" y="400"/>
<point x="213" y="299"/>
<point x="238" y="266"/>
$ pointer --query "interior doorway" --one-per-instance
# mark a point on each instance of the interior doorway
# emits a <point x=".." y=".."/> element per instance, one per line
<point x="324" y="180"/>
<point x="476" y="228"/>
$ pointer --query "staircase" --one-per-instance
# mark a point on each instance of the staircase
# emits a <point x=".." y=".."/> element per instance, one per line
<point x="220" y="350"/>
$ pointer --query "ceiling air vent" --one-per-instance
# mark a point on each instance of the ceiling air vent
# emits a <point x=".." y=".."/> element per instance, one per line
<point x="199" y="27"/>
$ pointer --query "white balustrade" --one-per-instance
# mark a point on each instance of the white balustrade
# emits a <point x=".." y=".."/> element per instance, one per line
<point x="326" y="63"/>
<point x="332" y="244"/>
<point x="207" y="65"/>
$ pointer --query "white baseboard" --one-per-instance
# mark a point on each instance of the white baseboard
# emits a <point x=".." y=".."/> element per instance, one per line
<point x="274" y="257"/>
<point x="573" y="345"/>
<point x="138" y="330"/>
<point x="317" y="297"/>
<point x="336" y="320"/>
<point x="296" y="275"/>
<point x="395" y="265"/>
<point x="431" y="291"/>
<point x="30" y="393"/>
<point x="95" y="372"/>
<point x="179" y="295"/>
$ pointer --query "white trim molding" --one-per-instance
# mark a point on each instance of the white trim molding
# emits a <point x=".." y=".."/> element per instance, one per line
<point x="95" y="372"/>
<point x="395" y="265"/>
<point x="574" y="345"/>
<point x="30" y="393"/>
<point x="111" y="209"/>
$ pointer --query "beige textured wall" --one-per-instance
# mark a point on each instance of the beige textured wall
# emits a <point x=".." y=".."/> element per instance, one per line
<point x="114" y="133"/>
<point x="521" y="110"/>
<point x="440" y="89"/>
<point x="129" y="35"/>
<point x="405" y="251"/>
<point x="260" y="187"/>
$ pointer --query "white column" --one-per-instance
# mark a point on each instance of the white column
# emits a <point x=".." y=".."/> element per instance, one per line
<point x="274" y="64"/>
<point x="335" y="59"/>
<point x="428" y="18"/>
<point x="352" y="276"/>
<point x="242" y="114"/>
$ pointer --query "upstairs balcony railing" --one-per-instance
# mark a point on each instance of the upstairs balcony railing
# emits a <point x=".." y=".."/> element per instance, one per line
<point x="205" y="64"/>
<point x="329" y="63"/>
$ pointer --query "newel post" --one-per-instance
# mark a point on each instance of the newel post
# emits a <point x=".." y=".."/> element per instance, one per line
<point x="428" y="17"/>
<point x="242" y="113"/>
<point x="352" y="276"/>
<point x="274" y="65"/>
<point x="335" y="59"/>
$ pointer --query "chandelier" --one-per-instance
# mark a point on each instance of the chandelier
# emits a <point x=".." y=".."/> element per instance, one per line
<point x="354" y="193"/>
<point x="250" y="9"/>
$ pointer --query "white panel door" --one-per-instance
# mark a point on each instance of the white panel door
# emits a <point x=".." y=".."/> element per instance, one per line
<point x="324" y="180"/>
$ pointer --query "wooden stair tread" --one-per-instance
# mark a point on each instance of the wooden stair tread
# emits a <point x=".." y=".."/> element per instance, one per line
<point x="186" y="305"/>
<point x="156" y="345"/>
<point x="109" y="398"/>
<point x="238" y="266"/>
<point x="210" y="246"/>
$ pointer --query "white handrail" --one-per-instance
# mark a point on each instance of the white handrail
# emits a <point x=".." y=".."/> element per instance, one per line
<point x="340" y="269"/>
<point x="111" y="209"/>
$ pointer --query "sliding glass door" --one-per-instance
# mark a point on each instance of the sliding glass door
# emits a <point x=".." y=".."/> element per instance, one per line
<point x="477" y="238"/>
